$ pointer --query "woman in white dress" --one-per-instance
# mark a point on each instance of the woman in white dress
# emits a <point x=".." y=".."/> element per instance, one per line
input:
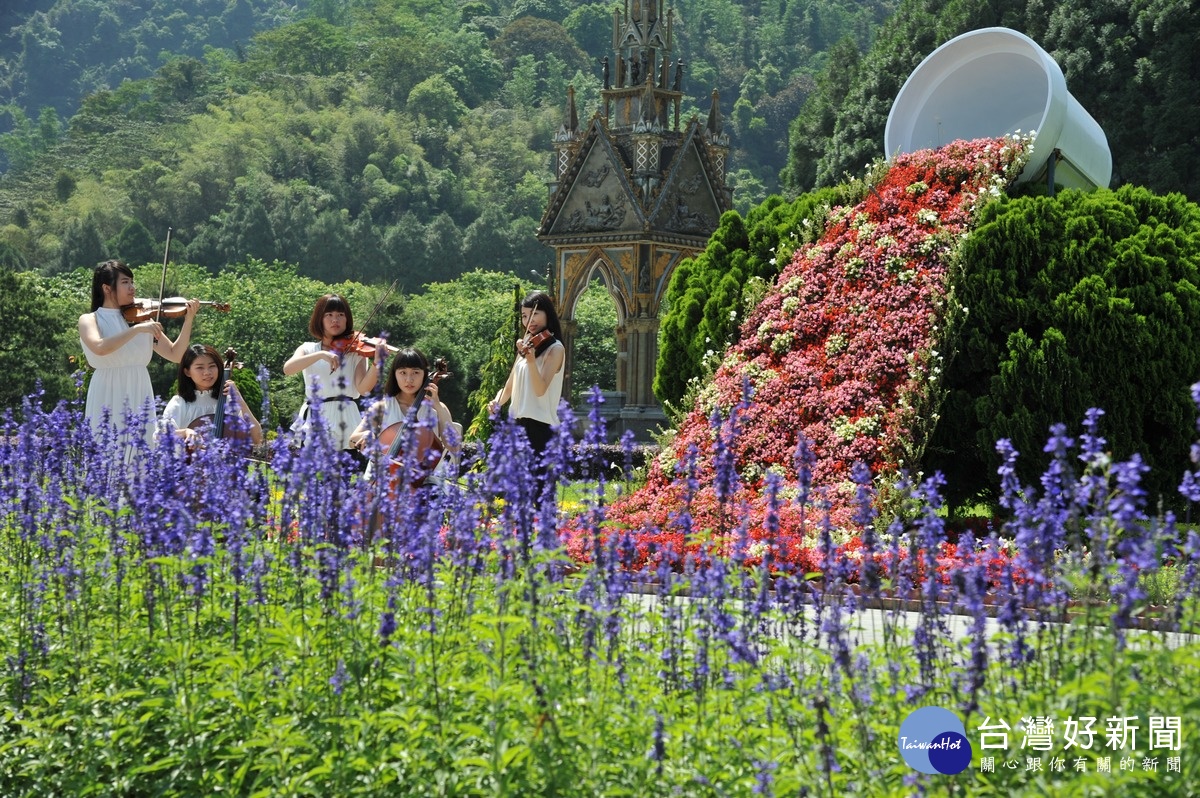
<point x="341" y="374"/>
<point x="119" y="352"/>
<point x="201" y="381"/>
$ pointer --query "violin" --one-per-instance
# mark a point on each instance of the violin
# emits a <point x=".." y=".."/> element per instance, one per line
<point x="172" y="307"/>
<point x="428" y="446"/>
<point x="534" y="341"/>
<point x="358" y="344"/>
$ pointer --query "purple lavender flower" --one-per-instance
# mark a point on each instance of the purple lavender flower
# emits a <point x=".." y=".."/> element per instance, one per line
<point x="1010" y="488"/>
<point x="658" y="749"/>
<point x="804" y="460"/>
<point x="764" y="777"/>
<point x="339" y="678"/>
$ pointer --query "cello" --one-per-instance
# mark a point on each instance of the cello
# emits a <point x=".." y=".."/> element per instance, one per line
<point x="427" y="445"/>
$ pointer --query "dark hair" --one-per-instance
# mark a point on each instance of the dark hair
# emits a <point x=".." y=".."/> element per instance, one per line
<point x="542" y="301"/>
<point x="187" y="386"/>
<point x="408" y="358"/>
<point x="330" y="303"/>
<point x="107" y="273"/>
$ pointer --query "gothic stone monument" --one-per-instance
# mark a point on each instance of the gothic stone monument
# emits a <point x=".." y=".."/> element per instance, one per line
<point x="632" y="196"/>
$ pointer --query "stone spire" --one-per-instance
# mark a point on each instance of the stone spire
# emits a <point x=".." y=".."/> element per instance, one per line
<point x="712" y="130"/>
<point x="716" y="140"/>
<point x="642" y="95"/>
<point x="570" y="125"/>
<point x="566" y="140"/>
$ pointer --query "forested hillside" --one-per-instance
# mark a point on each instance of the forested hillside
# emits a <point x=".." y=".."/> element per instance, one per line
<point x="55" y="52"/>
<point x="360" y="140"/>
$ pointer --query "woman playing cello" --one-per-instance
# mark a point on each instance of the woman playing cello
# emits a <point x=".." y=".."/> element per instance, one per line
<point x="201" y="384"/>
<point x="408" y="386"/>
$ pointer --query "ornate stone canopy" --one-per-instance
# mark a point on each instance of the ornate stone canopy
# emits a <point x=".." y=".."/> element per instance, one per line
<point x="633" y="195"/>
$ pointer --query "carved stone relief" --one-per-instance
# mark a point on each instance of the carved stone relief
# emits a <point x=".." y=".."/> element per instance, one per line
<point x="604" y="214"/>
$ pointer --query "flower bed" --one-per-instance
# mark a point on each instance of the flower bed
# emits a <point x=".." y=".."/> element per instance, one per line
<point x="842" y="354"/>
<point x="159" y="638"/>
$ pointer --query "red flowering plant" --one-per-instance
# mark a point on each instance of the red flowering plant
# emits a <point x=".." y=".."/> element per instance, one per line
<point x="842" y="352"/>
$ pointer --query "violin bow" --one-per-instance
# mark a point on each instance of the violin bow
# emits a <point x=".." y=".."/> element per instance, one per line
<point x="375" y="309"/>
<point x="162" y="285"/>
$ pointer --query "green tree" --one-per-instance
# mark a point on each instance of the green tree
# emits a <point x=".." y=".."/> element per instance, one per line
<point x="532" y="36"/>
<point x="64" y="185"/>
<point x="134" y="244"/>
<point x="683" y="311"/>
<point x="29" y="324"/>
<point x="81" y="245"/>
<point x="311" y="46"/>
<point x="521" y="90"/>
<point x="485" y="244"/>
<point x="590" y="25"/>
<point x="436" y="100"/>
<point x="810" y="132"/>
<point x="49" y="128"/>
<point x="11" y="258"/>
<point x="180" y="80"/>
<point x="1076" y="301"/>
<point x="595" y="355"/>
<point x="494" y="372"/>
<point x="443" y="249"/>
<point x="19" y="145"/>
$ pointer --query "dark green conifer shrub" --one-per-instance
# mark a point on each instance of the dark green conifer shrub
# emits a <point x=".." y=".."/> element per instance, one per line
<point x="1075" y="301"/>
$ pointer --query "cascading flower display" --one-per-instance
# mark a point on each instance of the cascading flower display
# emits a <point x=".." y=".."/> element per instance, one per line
<point x="842" y="355"/>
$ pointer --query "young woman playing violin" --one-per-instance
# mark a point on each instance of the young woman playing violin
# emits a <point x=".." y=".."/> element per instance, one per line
<point x="409" y="384"/>
<point x="120" y="352"/>
<point x="535" y="382"/>
<point x="201" y="384"/>
<point x="340" y="371"/>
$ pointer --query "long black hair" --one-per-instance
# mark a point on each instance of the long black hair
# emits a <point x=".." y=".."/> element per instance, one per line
<point x="540" y="300"/>
<point x="187" y="386"/>
<point x="107" y="273"/>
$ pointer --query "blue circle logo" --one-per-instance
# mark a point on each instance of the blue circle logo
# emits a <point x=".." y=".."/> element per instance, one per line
<point x="933" y="740"/>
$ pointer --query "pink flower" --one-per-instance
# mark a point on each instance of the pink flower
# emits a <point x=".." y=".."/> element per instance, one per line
<point x="844" y="349"/>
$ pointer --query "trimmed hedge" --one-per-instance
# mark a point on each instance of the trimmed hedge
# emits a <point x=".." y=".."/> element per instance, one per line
<point x="1075" y="301"/>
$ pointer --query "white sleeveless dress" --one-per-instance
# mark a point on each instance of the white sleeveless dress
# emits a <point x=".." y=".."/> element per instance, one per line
<point x="120" y="379"/>
<point x="338" y="394"/>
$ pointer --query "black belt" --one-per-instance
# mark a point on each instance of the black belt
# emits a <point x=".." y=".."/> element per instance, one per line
<point x="338" y="398"/>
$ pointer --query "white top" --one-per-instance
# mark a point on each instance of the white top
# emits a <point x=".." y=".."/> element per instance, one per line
<point x="120" y="378"/>
<point x="181" y="413"/>
<point x="336" y="388"/>
<point x="394" y="414"/>
<point x="527" y="404"/>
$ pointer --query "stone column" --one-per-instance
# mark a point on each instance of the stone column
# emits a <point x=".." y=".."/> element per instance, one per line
<point x="642" y="339"/>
